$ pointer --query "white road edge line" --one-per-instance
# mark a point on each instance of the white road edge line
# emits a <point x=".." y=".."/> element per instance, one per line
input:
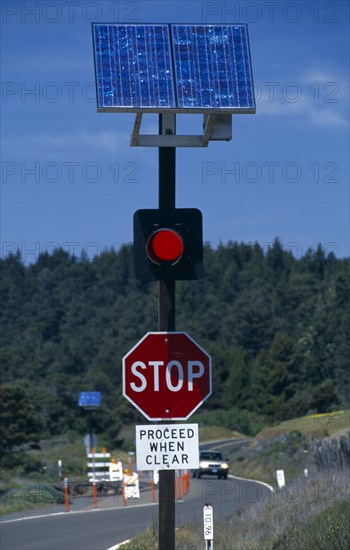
<point x="243" y="478"/>
<point x="26" y="518"/>
<point x="119" y="545"/>
<point x="253" y="481"/>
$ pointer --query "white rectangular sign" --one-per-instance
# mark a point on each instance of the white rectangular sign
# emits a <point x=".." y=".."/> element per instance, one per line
<point x="131" y="486"/>
<point x="208" y="522"/>
<point x="167" y="446"/>
<point x="280" y="478"/>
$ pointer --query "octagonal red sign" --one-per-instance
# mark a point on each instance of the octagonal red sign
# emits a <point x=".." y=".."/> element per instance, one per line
<point x="167" y="376"/>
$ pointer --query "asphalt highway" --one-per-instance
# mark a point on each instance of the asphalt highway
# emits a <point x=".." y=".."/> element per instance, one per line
<point x="84" y="528"/>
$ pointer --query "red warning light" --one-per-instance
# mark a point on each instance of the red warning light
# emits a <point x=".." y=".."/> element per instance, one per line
<point x="165" y="246"/>
<point x="168" y="244"/>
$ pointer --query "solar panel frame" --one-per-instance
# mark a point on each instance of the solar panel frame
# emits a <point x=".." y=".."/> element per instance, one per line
<point x="118" y="47"/>
<point x="236" y="64"/>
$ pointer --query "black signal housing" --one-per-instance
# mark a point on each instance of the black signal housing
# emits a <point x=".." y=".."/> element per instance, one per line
<point x="168" y="244"/>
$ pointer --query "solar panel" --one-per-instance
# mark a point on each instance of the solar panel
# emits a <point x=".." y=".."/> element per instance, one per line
<point x="212" y="68"/>
<point x="181" y="68"/>
<point x="133" y="67"/>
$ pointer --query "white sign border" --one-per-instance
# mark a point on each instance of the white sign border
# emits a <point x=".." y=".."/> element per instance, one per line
<point x="194" y="463"/>
<point x="151" y="418"/>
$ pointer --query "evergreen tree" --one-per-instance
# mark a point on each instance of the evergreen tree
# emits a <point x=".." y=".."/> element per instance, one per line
<point x="20" y="420"/>
<point x="277" y="328"/>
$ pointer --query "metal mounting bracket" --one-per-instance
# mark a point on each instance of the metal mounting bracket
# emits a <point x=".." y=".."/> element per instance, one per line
<point x="216" y="127"/>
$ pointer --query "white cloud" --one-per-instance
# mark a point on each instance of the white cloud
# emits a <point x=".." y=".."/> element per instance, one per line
<point x="318" y="98"/>
<point x="82" y="143"/>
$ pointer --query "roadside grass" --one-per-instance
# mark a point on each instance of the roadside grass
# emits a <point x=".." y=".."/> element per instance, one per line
<point x="35" y="483"/>
<point x="315" y="425"/>
<point x="214" y="433"/>
<point x="71" y="450"/>
<point x="260" y="459"/>
<point x="285" y="446"/>
<point x="306" y="515"/>
<point x="65" y="448"/>
<point x="287" y="518"/>
<point x="29" y="496"/>
<point x="329" y="530"/>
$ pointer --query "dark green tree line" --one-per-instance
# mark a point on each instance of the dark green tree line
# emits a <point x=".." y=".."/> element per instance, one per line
<point x="277" y="328"/>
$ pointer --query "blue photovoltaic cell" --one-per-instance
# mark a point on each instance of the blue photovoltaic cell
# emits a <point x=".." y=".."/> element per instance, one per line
<point x="133" y="67"/>
<point x="173" y="67"/>
<point x="212" y="67"/>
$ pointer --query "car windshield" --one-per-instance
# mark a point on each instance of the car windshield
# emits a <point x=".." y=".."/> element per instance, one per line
<point x="209" y="455"/>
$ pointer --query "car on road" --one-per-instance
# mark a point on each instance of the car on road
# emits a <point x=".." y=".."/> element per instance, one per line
<point x="211" y="463"/>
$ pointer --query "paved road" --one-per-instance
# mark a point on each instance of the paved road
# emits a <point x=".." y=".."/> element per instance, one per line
<point x="94" y="530"/>
<point x="112" y="523"/>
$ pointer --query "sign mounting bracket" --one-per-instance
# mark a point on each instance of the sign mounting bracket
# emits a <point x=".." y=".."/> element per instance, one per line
<point x="215" y="128"/>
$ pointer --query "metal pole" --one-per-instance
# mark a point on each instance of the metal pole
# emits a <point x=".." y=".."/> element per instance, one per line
<point x="166" y="323"/>
<point x="91" y="446"/>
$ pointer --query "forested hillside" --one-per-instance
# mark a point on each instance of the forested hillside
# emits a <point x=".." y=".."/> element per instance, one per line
<point x="276" y="326"/>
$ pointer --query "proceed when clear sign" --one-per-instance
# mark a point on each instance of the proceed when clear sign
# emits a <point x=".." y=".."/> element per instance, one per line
<point x="167" y="447"/>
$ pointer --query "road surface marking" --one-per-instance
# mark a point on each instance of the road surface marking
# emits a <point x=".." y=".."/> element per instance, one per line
<point x="77" y="512"/>
<point x="253" y="481"/>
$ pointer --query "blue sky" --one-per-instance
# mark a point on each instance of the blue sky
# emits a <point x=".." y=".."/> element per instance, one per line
<point x="69" y="177"/>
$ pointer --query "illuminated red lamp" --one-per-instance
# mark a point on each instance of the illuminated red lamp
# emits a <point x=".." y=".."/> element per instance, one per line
<point x="168" y="244"/>
<point x="165" y="246"/>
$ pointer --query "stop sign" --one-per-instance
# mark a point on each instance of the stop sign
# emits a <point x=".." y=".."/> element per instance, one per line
<point x="166" y="376"/>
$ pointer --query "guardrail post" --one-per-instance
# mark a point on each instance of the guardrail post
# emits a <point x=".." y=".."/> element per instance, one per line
<point x="66" y="494"/>
<point x="152" y="487"/>
<point x="94" y="492"/>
